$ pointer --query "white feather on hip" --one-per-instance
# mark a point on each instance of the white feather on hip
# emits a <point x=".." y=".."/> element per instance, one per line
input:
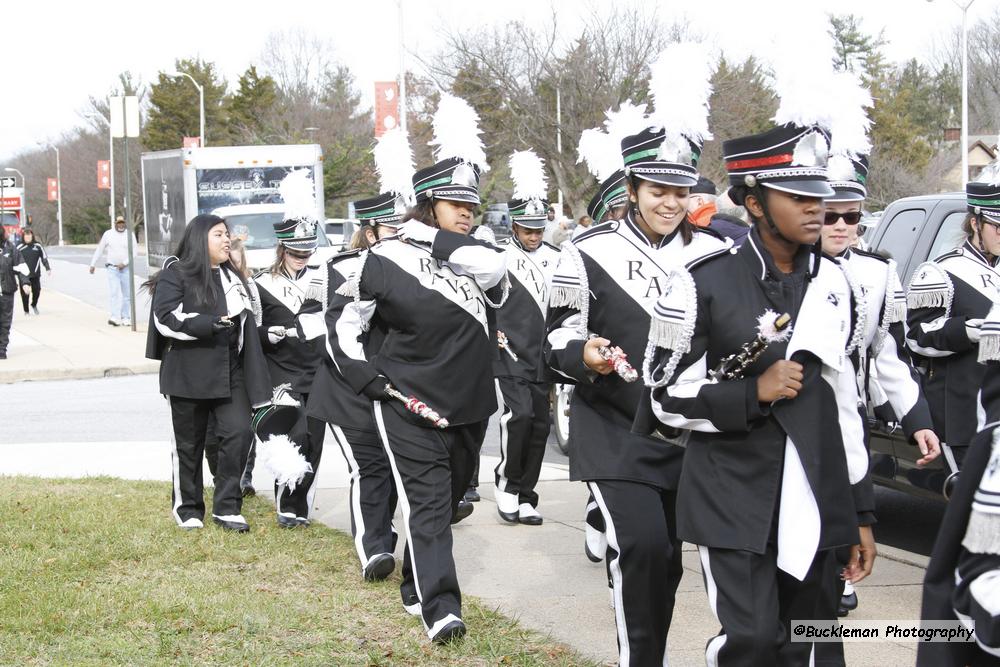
<point x="281" y="457"/>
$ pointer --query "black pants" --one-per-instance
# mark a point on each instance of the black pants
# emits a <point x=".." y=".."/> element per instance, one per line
<point x="431" y="468"/>
<point x="644" y="558"/>
<point x="831" y="589"/>
<point x="524" y="428"/>
<point x="308" y="434"/>
<point x="232" y="426"/>
<point x="36" y="289"/>
<point x="6" y="319"/>
<point x="372" y="492"/>
<point x="754" y="601"/>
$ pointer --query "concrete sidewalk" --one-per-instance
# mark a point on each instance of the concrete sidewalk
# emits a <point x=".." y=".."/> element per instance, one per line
<point x="537" y="575"/>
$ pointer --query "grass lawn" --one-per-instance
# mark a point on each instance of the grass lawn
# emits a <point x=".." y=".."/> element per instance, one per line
<point x="94" y="572"/>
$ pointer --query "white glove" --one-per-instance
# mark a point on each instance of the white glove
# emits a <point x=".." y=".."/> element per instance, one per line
<point x="973" y="329"/>
<point x="414" y="230"/>
<point x="275" y="335"/>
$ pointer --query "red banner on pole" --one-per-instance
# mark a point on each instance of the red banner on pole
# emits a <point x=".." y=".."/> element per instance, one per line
<point x="192" y="142"/>
<point x="386" y="106"/>
<point x="53" y="189"/>
<point x="104" y="174"/>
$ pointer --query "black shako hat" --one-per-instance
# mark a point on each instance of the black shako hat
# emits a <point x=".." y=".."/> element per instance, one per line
<point x="386" y="208"/>
<point x="848" y="177"/>
<point x="789" y="158"/>
<point x="296" y="234"/>
<point x="611" y="194"/>
<point x="529" y="213"/>
<point x="984" y="199"/>
<point x="651" y="156"/>
<point x="450" y="179"/>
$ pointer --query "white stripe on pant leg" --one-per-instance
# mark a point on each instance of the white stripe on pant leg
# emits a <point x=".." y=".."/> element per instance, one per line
<point x="404" y="503"/>
<point x="504" y="438"/>
<point x="175" y="469"/>
<point x="714" y="645"/>
<point x="614" y="565"/>
<point x="355" y="493"/>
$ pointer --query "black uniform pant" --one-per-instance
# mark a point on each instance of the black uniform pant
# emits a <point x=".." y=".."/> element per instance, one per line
<point x="754" y="602"/>
<point x="372" y="493"/>
<point x="36" y="289"/>
<point x="431" y="468"/>
<point x="644" y="558"/>
<point x="232" y="426"/>
<point x="6" y="319"/>
<point x="831" y="654"/>
<point x="524" y="428"/>
<point x="308" y="434"/>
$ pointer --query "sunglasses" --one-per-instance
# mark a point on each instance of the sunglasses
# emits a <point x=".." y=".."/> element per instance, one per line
<point x="852" y="218"/>
<point x="300" y="255"/>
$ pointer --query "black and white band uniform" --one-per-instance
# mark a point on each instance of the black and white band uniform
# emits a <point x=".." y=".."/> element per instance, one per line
<point x="34" y="255"/>
<point x="212" y="364"/>
<point x="431" y="289"/>
<point x="605" y="286"/>
<point x="352" y="426"/>
<point x="947" y="299"/>
<point x="295" y="302"/>
<point x="524" y="420"/>
<point x="768" y="490"/>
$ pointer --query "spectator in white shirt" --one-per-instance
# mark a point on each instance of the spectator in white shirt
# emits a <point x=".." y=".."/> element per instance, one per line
<point x="114" y="242"/>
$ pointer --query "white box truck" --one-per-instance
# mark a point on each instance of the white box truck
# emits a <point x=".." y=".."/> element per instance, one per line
<point x="240" y="183"/>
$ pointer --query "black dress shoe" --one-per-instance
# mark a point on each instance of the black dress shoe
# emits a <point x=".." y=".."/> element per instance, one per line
<point x="849" y="602"/>
<point x="379" y="567"/>
<point x="472" y="495"/>
<point x="842" y="612"/>
<point x="235" y="526"/>
<point x="452" y="631"/>
<point x="248" y="490"/>
<point x="288" y="521"/>
<point x="463" y="510"/>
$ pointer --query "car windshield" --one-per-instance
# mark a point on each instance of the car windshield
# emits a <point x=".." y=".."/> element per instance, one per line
<point x="334" y="228"/>
<point x="259" y="229"/>
<point x="10" y="219"/>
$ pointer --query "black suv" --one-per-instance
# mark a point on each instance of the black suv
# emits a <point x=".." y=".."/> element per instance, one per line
<point x="912" y="231"/>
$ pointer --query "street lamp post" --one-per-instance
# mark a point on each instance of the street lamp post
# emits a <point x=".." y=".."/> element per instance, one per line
<point x="24" y="194"/>
<point x="201" y="100"/>
<point x="965" y="87"/>
<point x="59" y="196"/>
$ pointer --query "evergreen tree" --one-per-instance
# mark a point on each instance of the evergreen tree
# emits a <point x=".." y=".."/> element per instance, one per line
<point x="174" y="107"/>
<point x="251" y="109"/>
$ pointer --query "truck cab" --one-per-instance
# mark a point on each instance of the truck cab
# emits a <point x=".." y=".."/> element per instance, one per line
<point x="255" y="222"/>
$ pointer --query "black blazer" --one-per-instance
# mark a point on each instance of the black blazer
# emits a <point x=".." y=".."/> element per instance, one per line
<point x="195" y="358"/>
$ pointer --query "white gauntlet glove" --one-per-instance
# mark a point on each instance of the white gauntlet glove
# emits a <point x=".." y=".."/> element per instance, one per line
<point x="414" y="230"/>
<point x="275" y="335"/>
<point x="973" y="329"/>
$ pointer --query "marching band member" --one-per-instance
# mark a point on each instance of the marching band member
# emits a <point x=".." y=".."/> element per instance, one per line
<point x="203" y="328"/>
<point x="606" y="284"/>
<point x="520" y="330"/>
<point x="349" y="414"/>
<point x="293" y="299"/>
<point x="947" y="299"/>
<point x="767" y="488"/>
<point x="431" y="286"/>
<point x="962" y="578"/>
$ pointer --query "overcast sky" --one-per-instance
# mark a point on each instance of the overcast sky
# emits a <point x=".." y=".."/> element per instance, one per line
<point x="57" y="54"/>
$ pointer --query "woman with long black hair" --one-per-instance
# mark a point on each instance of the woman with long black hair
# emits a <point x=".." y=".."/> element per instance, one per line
<point x="203" y="328"/>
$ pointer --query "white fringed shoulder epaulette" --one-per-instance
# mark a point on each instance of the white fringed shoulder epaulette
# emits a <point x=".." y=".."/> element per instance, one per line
<point x="989" y="342"/>
<point x="570" y="288"/>
<point x="860" y="307"/>
<point x="893" y="306"/>
<point x="671" y="325"/>
<point x="930" y="287"/>
<point x="351" y="288"/>
<point x="317" y="289"/>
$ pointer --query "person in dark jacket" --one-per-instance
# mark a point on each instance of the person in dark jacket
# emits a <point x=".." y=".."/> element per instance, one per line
<point x="34" y="256"/>
<point x="203" y="328"/>
<point x="13" y="270"/>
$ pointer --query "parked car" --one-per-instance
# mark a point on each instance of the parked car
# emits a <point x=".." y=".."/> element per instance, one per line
<point x="497" y="218"/>
<point x="911" y="231"/>
<point x="340" y="231"/>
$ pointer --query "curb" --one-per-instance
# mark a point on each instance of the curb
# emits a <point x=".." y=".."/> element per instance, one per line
<point x="85" y="373"/>
<point x="902" y="556"/>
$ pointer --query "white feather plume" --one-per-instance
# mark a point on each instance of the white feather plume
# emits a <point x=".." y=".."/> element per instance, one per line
<point x="394" y="162"/>
<point x="628" y="120"/>
<point x="602" y="151"/>
<point x="849" y="102"/>
<point x="527" y="170"/>
<point x="456" y="132"/>
<point x="804" y="77"/>
<point x="298" y="194"/>
<point x="840" y="168"/>
<point x="680" y="85"/>
<point x="283" y="460"/>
